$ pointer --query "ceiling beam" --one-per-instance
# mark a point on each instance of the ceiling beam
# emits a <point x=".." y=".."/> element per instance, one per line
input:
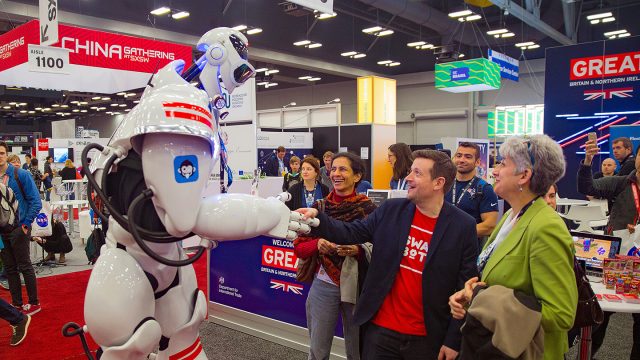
<point x="15" y="11"/>
<point x="531" y="20"/>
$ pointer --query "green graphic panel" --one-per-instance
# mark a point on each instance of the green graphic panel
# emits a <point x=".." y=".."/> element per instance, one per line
<point x="482" y="75"/>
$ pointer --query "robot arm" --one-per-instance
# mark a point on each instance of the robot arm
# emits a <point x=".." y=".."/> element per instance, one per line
<point x="240" y="216"/>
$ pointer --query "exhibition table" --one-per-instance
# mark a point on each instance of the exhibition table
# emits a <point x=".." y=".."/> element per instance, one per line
<point x="584" y="352"/>
<point x="570" y="202"/>
<point x="70" y="204"/>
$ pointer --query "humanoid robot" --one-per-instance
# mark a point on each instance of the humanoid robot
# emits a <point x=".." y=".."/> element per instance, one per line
<point x="142" y="294"/>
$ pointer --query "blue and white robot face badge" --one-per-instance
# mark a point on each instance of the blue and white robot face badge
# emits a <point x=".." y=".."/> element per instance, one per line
<point x="185" y="168"/>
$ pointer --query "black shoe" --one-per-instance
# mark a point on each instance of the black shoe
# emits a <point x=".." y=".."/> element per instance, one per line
<point x="20" y="331"/>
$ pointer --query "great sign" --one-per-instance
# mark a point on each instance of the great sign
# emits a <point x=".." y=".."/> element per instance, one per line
<point x="605" y="66"/>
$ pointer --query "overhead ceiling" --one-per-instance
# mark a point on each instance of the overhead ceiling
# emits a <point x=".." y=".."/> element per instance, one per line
<point x="411" y="20"/>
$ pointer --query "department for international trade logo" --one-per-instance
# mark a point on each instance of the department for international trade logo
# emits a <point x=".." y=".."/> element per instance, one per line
<point x="286" y="286"/>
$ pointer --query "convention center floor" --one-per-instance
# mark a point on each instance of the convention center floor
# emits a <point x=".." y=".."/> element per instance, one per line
<point x="220" y="342"/>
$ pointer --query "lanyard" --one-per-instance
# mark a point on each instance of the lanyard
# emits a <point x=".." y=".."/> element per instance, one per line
<point x="401" y="184"/>
<point x="634" y="187"/>
<point x="504" y="231"/>
<point x="453" y="190"/>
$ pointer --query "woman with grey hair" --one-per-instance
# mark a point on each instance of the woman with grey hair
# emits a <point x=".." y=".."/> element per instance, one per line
<point x="531" y="249"/>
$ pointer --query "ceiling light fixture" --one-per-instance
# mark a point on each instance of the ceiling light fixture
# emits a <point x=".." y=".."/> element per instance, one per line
<point x="377" y="31"/>
<point x="314" y="79"/>
<point x="240" y="27"/>
<point x="254" y="31"/>
<point x="96" y="98"/>
<point x="180" y="15"/>
<point x="388" y="63"/>
<point x="304" y="77"/>
<point x="457" y="14"/>
<point x="293" y="103"/>
<point x="420" y="45"/>
<point x="308" y="44"/>
<point x="528" y="45"/>
<point x="31" y="112"/>
<point x="261" y="70"/>
<point x="322" y="16"/>
<point x="161" y="11"/>
<point x="23" y="111"/>
<point x="601" y="18"/>
<point x="54" y="105"/>
<point x="106" y="98"/>
<point x="334" y="101"/>
<point x="353" y="54"/>
<point x="271" y="84"/>
<point x="617" y="34"/>
<point x="271" y="71"/>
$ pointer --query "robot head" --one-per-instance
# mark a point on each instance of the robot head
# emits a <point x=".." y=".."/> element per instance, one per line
<point x="226" y="57"/>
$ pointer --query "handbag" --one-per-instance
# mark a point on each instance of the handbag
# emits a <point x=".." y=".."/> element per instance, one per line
<point x="41" y="225"/>
<point x="588" y="311"/>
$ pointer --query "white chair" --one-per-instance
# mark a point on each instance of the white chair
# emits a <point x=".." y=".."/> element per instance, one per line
<point x="584" y="216"/>
<point x="60" y="190"/>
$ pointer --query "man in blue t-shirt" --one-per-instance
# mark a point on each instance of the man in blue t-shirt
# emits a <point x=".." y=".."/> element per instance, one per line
<point x="470" y="193"/>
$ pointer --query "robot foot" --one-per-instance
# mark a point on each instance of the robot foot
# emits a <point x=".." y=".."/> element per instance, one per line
<point x="185" y="342"/>
<point x="143" y="341"/>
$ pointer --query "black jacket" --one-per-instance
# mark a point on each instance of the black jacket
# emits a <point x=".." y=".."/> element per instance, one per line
<point x="272" y="165"/>
<point x="296" y="195"/>
<point x="450" y="262"/>
<point x="627" y="166"/>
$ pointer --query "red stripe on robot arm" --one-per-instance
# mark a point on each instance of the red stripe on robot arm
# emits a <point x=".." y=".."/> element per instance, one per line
<point x="190" y="351"/>
<point x="199" y="109"/>
<point x="188" y="116"/>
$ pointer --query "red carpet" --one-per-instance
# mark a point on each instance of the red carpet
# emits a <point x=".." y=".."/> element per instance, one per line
<point x="62" y="299"/>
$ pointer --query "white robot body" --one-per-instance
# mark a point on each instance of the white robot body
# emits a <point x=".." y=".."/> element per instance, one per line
<point x="140" y="295"/>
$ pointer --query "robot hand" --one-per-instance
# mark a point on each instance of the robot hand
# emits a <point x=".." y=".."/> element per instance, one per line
<point x="226" y="217"/>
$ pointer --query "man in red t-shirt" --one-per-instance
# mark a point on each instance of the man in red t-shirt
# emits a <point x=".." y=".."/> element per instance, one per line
<point x="423" y="251"/>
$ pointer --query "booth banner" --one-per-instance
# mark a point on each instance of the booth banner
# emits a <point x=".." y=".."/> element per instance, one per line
<point x="482" y="170"/>
<point x="240" y="141"/>
<point x="298" y="144"/>
<point x="241" y="105"/>
<point x="98" y="61"/>
<point x="62" y="149"/>
<point x="467" y="75"/>
<point x="509" y="67"/>
<point x="589" y="88"/>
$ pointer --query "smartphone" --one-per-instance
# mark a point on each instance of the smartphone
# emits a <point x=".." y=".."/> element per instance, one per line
<point x="593" y="136"/>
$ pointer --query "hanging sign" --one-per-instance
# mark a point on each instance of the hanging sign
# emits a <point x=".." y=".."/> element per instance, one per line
<point x="48" y="16"/>
<point x="509" y="67"/>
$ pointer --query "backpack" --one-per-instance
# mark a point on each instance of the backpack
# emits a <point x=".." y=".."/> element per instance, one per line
<point x="94" y="243"/>
<point x="9" y="206"/>
<point x="9" y="216"/>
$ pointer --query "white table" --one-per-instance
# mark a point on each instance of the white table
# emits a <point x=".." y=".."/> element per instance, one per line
<point x="77" y="186"/>
<point x="584" y="352"/>
<point x="570" y="202"/>
<point x="70" y="204"/>
<point x="623" y="307"/>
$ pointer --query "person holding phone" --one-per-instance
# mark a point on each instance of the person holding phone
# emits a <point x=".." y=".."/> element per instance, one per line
<point x="623" y="214"/>
<point x="341" y="268"/>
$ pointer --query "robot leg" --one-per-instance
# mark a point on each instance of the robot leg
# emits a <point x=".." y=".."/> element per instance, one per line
<point x="119" y="307"/>
<point x="181" y="311"/>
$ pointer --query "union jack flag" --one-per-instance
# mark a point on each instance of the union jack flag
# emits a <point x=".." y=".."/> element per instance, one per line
<point x="607" y="94"/>
<point x="285" y="286"/>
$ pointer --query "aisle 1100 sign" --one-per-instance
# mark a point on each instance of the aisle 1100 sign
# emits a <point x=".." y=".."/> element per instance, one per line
<point x="48" y="59"/>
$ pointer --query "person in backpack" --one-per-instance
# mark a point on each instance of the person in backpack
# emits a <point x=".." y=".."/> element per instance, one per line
<point x="57" y="243"/>
<point x="15" y="254"/>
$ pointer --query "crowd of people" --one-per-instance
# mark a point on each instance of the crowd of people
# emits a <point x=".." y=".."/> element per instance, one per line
<point x="403" y="277"/>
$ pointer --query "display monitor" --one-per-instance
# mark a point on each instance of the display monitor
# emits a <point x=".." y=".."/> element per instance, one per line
<point x="593" y="249"/>
<point x="61" y="155"/>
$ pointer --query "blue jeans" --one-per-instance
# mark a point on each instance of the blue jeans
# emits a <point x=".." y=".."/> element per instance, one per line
<point x="323" y="308"/>
<point x="9" y="313"/>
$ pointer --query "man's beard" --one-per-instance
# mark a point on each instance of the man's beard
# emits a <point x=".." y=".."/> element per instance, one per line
<point x="465" y="172"/>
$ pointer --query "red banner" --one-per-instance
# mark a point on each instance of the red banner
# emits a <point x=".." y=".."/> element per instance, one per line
<point x="597" y="67"/>
<point x="95" y="48"/>
<point x="43" y="144"/>
<point x="277" y="257"/>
